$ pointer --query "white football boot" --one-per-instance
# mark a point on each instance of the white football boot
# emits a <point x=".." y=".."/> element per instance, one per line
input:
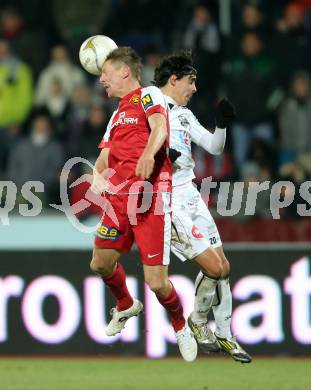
<point x="187" y="344"/>
<point x="119" y="318"/>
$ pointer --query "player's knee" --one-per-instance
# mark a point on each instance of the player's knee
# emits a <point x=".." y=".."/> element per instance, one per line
<point x="95" y="266"/>
<point x="156" y="285"/>
<point x="214" y="266"/>
<point x="211" y="264"/>
<point x="100" y="267"/>
<point x="225" y="268"/>
<point x="216" y="269"/>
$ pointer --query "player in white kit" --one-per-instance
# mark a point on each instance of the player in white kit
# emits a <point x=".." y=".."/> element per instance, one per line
<point x="194" y="233"/>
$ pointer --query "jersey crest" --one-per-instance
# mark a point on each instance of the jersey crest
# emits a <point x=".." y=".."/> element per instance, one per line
<point x="135" y="99"/>
<point x="183" y="121"/>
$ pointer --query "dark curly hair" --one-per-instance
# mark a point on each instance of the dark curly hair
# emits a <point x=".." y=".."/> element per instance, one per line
<point x="179" y="64"/>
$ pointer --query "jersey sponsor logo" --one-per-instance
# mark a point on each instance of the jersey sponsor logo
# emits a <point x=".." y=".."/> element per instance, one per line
<point x="147" y="101"/>
<point x="122" y="120"/>
<point x="105" y="232"/>
<point x="135" y="99"/>
<point x="196" y="233"/>
<point x="183" y="121"/>
<point x="184" y="139"/>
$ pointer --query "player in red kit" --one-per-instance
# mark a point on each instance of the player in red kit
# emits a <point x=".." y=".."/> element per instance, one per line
<point x="133" y="151"/>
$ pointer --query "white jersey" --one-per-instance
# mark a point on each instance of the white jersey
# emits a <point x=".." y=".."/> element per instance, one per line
<point x="184" y="129"/>
<point x="193" y="227"/>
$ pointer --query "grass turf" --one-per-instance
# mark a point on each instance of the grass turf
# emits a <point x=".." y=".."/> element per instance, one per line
<point x="144" y="374"/>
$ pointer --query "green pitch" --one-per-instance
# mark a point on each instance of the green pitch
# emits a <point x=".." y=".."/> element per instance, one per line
<point x="167" y="374"/>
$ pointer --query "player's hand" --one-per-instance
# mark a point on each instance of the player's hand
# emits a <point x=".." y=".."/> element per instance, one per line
<point x="100" y="184"/>
<point x="144" y="167"/>
<point x="173" y="154"/>
<point x="225" y="113"/>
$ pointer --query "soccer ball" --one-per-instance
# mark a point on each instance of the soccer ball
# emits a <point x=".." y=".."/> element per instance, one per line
<point x="94" y="51"/>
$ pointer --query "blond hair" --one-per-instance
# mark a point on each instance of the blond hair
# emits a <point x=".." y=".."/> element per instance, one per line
<point x="128" y="56"/>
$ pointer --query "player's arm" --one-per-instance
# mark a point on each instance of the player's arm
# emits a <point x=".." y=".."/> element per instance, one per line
<point x="214" y="142"/>
<point x="154" y="106"/>
<point x="157" y="137"/>
<point x="99" y="183"/>
<point x="102" y="161"/>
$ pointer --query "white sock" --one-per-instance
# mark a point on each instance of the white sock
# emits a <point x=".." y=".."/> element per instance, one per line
<point x="204" y="295"/>
<point x="223" y="311"/>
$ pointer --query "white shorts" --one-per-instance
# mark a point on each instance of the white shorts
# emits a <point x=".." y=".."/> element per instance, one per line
<point x="193" y="227"/>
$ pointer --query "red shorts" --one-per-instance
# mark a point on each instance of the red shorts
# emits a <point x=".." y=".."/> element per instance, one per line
<point x="150" y="229"/>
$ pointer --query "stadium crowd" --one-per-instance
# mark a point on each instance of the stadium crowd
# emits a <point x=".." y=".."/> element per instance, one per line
<point x="51" y="110"/>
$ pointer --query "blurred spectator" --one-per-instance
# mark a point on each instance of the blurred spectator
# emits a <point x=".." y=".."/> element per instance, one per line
<point x="249" y="83"/>
<point x="306" y="4"/>
<point x="141" y="23"/>
<point x="15" y="88"/>
<point x="15" y="99"/>
<point x="203" y="38"/>
<point x="219" y="167"/>
<point x="292" y="45"/>
<point x="152" y="58"/>
<point x="9" y="137"/>
<point x="78" y="19"/>
<point x="57" y="106"/>
<point x="30" y="45"/>
<point x="81" y="101"/>
<point x="90" y="134"/>
<point x="252" y="174"/>
<point x="252" y="19"/>
<point x="295" y="134"/>
<point x="92" y="131"/>
<point x="37" y="157"/>
<point x="265" y="155"/>
<point x="258" y="40"/>
<point x="249" y="18"/>
<point x="60" y="68"/>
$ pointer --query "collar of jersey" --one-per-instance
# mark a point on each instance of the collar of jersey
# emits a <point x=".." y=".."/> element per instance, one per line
<point x="131" y="93"/>
<point x="170" y="100"/>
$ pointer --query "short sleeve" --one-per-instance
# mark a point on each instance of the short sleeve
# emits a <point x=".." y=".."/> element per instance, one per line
<point x="104" y="143"/>
<point x="152" y="101"/>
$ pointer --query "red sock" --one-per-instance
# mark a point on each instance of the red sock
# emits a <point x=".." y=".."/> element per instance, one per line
<point x="117" y="285"/>
<point x="173" y="305"/>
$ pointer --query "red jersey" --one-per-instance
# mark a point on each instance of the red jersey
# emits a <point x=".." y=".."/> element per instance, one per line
<point x="127" y="136"/>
